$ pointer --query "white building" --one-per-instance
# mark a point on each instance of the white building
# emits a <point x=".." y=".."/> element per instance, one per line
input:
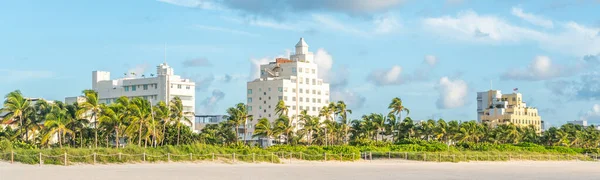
<point x="163" y="86"/>
<point x="294" y="80"/>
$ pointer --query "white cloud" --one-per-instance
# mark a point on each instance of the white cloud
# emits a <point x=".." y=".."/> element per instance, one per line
<point x="352" y="99"/>
<point x="395" y="75"/>
<point x="541" y="68"/>
<point x="137" y="70"/>
<point x="197" y="62"/>
<point x="335" y="25"/>
<point x="571" y="38"/>
<point x="324" y="62"/>
<point x="386" y="24"/>
<point x="452" y="93"/>
<point x="226" y="30"/>
<point x="10" y="75"/>
<point x="255" y="67"/>
<point x="592" y="114"/>
<point x="431" y="60"/>
<point x="385" y="77"/>
<point x="533" y="19"/>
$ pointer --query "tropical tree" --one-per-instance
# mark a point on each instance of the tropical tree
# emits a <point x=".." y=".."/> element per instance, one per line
<point x="238" y="115"/>
<point x="397" y="107"/>
<point x="91" y="108"/>
<point x="281" y="109"/>
<point x="57" y="122"/>
<point x="263" y="129"/>
<point x="179" y="114"/>
<point x="342" y="111"/>
<point x="16" y="107"/>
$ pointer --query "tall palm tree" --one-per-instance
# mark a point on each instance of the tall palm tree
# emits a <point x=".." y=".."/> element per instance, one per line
<point x="114" y="116"/>
<point x="310" y="125"/>
<point x="283" y="126"/>
<point x="140" y="115"/>
<point x="17" y="106"/>
<point x="281" y="109"/>
<point x="179" y="115"/>
<point x="238" y="115"/>
<point x="397" y="107"/>
<point x="342" y="111"/>
<point x="91" y="108"/>
<point x="56" y="123"/>
<point x="263" y="129"/>
<point x="378" y="123"/>
<point x="163" y="112"/>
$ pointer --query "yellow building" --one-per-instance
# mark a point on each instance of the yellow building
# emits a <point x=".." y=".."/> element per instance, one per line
<point x="495" y="108"/>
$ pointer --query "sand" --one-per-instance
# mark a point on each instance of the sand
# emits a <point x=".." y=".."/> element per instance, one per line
<point x="303" y="170"/>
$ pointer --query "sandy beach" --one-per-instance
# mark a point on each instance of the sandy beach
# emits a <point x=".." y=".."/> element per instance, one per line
<point x="309" y="170"/>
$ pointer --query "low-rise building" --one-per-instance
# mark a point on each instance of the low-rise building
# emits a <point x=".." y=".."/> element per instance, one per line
<point x="162" y="86"/>
<point x="495" y="108"/>
<point x="200" y="121"/>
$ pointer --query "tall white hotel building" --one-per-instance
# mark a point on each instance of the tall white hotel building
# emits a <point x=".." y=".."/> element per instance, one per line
<point x="162" y="86"/>
<point x="294" y="80"/>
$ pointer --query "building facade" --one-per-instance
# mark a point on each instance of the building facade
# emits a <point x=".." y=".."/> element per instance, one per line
<point x="164" y="86"/>
<point x="495" y="108"/>
<point x="200" y="121"/>
<point x="294" y="80"/>
<point x="583" y="123"/>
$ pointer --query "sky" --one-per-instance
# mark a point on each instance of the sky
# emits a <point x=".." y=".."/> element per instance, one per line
<point x="435" y="55"/>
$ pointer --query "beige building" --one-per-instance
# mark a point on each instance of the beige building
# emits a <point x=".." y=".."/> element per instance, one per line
<point x="495" y="108"/>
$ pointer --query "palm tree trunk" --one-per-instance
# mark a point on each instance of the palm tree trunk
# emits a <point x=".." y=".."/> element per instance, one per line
<point x="178" y="132"/>
<point x="95" y="130"/>
<point x="60" y="138"/>
<point x="117" y="136"/>
<point x="81" y="138"/>
<point x="140" y="134"/>
<point x="164" y="133"/>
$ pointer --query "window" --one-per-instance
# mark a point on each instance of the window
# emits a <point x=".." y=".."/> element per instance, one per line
<point x="264" y="102"/>
<point x="313" y="71"/>
<point x="300" y="70"/>
<point x="285" y="98"/>
<point x="280" y="98"/>
<point x="319" y="92"/>
<point x="249" y="100"/>
<point x="249" y="108"/>
<point x="133" y="88"/>
<point x="314" y="82"/>
<point x="314" y="91"/>
<point x="307" y="81"/>
<point x="293" y="107"/>
<point x="187" y="87"/>
<point x="285" y="89"/>
<point x="249" y="91"/>
<point x="300" y="108"/>
<point x="319" y="100"/>
<point x="314" y="109"/>
<point x="260" y="98"/>
<point x="314" y="100"/>
<point x="146" y="87"/>
<point x="294" y="90"/>
<point x="264" y="110"/>
<point x="269" y="97"/>
<point x="306" y="70"/>
<point x="327" y="93"/>
<point x="262" y="72"/>
<point x="259" y="89"/>
<point x="293" y="80"/>
<point x="265" y="93"/>
<point x="269" y="106"/>
<point x="280" y="89"/>
<point x="300" y="99"/>
<point x="269" y="115"/>
<point x="300" y="80"/>
<point x="126" y="88"/>
<point x="179" y="86"/>
<point x="294" y="70"/>
<point x="155" y="86"/>
<point x="269" y="89"/>
<point x="300" y="90"/>
<point x="293" y="98"/>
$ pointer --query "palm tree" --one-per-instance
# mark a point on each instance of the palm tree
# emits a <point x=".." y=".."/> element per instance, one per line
<point x="179" y="114"/>
<point x="396" y="107"/>
<point x="441" y="130"/>
<point x="140" y="115"/>
<point x="91" y="107"/>
<point x="342" y="111"/>
<point x="310" y="124"/>
<point x="378" y="123"/>
<point x="238" y="115"/>
<point x="114" y="116"/>
<point x="57" y="122"/>
<point x="281" y="109"/>
<point x="263" y="129"/>
<point x="163" y="112"/>
<point x="16" y="106"/>
<point x="283" y="126"/>
<point x="406" y="128"/>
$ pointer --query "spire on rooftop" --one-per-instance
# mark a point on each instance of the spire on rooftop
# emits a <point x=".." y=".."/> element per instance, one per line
<point x="301" y="43"/>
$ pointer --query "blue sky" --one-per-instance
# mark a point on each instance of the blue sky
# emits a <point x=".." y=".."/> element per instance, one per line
<point x="435" y="55"/>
